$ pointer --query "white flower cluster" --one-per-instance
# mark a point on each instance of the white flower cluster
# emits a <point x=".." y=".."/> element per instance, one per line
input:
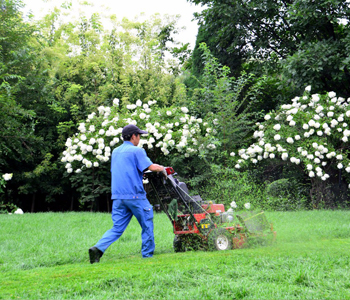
<point x="18" y="211"/>
<point x="311" y="125"/>
<point x="7" y="176"/>
<point x="91" y="146"/>
<point x="233" y="205"/>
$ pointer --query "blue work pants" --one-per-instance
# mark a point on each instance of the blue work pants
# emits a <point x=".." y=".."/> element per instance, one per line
<point x="122" y="212"/>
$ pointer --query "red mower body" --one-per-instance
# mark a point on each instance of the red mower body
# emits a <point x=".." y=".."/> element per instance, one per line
<point x="199" y="224"/>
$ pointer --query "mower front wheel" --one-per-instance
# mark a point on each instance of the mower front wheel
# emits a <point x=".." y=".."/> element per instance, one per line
<point x="179" y="245"/>
<point x="220" y="239"/>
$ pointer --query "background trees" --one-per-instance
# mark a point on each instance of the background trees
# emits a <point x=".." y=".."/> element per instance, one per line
<point x="16" y="61"/>
<point x="27" y="132"/>
<point x="292" y="43"/>
<point x="55" y="73"/>
<point x="298" y="42"/>
<point x="257" y="56"/>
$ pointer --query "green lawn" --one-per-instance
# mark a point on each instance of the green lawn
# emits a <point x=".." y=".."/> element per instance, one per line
<point x="45" y="256"/>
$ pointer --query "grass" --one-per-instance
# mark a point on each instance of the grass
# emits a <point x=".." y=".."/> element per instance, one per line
<point x="44" y="256"/>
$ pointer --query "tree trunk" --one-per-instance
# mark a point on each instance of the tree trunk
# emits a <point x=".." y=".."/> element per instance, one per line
<point x="33" y="204"/>
<point x="71" y="204"/>
<point x="93" y="189"/>
<point x="107" y="203"/>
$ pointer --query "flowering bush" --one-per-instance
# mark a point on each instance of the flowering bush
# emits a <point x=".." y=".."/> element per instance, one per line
<point x="312" y="132"/>
<point x="5" y="207"/>
<point x="5" y="177"/>
<point x="171" y="130"/>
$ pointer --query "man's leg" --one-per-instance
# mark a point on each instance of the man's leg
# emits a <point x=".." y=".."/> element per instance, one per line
<point x="121" y="216"/>
<point x="143" y="211"/>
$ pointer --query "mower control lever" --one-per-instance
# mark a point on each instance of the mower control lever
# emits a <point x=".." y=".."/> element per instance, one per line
<point x="165" y="173"/>
<point x="169" y="170"/>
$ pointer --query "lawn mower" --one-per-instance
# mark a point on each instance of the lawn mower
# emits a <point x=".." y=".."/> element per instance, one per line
<point x="204" y="225"/>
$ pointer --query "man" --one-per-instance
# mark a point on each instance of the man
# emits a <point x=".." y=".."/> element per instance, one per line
<point x="129" y="197"/>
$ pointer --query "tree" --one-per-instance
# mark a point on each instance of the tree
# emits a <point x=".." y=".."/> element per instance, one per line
<point x="307" y="40"/>
<point x="17" y="138"/>
<point x="233" y="60"/>
<point x="66" y="71"/>
<point x="226" y="101"/>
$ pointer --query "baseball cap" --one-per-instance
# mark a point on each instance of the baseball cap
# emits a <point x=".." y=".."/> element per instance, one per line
<point x="131" y="129"/>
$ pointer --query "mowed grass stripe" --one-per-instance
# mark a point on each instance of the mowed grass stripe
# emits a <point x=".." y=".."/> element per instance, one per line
<point x="299" y="271"/>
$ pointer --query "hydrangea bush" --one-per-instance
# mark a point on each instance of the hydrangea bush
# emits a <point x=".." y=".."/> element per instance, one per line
<point x="6" y="207"/>
<point x="171" y="130"/>
<point x="5" y="177"/>
<point x="313" y="132"/>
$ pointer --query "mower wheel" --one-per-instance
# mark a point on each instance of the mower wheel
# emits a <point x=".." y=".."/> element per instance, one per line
<point x="179" y="245"/>
<point x="220" y="239"/>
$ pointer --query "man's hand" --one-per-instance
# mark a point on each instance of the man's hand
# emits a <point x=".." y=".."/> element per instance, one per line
<point x="158" y="168"/>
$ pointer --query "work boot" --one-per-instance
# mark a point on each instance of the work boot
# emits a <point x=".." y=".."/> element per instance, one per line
<point x="95" y="255"/>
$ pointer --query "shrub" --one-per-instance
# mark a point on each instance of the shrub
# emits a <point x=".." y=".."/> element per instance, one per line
<point x="312" y="132"/>
<point x="284" y="194"/>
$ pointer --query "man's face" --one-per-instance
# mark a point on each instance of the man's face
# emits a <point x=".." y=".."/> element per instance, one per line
<point x="135" y="139"/>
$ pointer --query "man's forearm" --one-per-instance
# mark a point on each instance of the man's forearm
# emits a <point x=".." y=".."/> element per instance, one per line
<point x="156" y="168"/>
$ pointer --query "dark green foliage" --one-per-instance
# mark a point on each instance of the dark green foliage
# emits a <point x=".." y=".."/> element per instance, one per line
<point x="267" y="187"/>
<point x="15" y="53"/>
<point x="16" y="136"/>
<point x="285" y="185"/>
<point x="224" y="185"/>
<point x="281" y="187"/>
<point x="282" y="194"/>
<point x="6" y="208"/>
<point x="305" y="41"/>
<point x="54" y="74"/>
<point x="17" y="122"/>
<point x="188" y="242"/>
<point x="28" y="145"/>
<point x="259" y="54"/>
<point x="232" y="104"/>
<point x="227" y="102"/>
<point x="91" y="185"/>
<point x="231" y="60"/>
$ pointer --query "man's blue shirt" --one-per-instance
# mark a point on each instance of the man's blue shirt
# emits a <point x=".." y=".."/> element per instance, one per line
<point x="127" y="166"/>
